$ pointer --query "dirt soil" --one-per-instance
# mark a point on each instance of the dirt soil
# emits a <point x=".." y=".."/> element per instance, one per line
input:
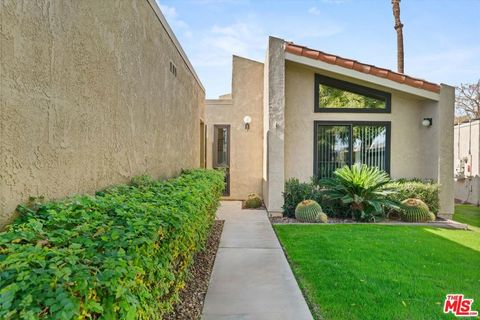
<point x="192" y="296"/>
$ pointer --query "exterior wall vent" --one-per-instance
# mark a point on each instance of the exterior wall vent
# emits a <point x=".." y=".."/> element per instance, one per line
<point x="173" y="68"/>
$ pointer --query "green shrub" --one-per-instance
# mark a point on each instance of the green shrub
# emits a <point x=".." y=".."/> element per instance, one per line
<point x="122" y="254"/>
<point x="425" y="191"/>
<point x="310" y="211"/>
<point x="296" y="191"/>
<point x="253" y="201"/>
<point x="415" y="210"/>
<point x="404" y="180"/>
<point x="361" y="188"/>
<point x="141" y="181"/>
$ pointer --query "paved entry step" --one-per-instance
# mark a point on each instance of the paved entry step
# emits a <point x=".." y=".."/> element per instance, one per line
<point x="251" y="278"/>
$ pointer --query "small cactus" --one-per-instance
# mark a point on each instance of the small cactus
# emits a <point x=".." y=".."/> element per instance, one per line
<point x="310" y="211"/>
<point x="253" y="201"/>
<point x="415" y="210"/>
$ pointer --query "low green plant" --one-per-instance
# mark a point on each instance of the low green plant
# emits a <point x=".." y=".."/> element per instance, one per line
<point x="426" y="191"/>
<point x="363" y="189"/>
<point x="121" y="254"/>
<point x="415" y="210"/>
<point x="296" y="191"/>
<point x="140" y="181"/>
<point x="467" y="213"/>
<point x="346" y="266"/>
<point x="253" y="201"/>
<point x="310" y="211"/>
<point x="420" y="180"/>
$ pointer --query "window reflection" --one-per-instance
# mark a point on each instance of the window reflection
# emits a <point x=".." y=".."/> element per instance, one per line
<point x="350" y="143"/>
<point x="331" y="97"/>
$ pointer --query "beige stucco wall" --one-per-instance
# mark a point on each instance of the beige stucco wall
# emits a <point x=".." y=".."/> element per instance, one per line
<point x="412" y="153"/>
<point x="416" y="151"/>
<point x="444" y="140"/>
<point x="274" y="126"/>
<point x="87" y="99"/>
<point x="246" y="149"/>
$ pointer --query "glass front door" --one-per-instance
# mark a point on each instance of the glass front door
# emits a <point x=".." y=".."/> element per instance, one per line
<point x="221" y="153"/>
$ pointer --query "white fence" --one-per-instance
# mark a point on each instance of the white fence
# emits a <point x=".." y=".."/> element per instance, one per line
<point x="468" y="190"/>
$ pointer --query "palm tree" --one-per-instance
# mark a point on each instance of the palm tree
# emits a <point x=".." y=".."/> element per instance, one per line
<point x="399" y="28"/>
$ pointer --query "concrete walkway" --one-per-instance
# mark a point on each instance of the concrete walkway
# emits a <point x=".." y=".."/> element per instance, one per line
<point x="251" y="278"/>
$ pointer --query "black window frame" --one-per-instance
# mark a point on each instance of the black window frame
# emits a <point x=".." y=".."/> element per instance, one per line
<point x="355" y="88"/>
<point x="388" y="127"/>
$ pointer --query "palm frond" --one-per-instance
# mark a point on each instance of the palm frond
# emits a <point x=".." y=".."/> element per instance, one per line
<point x="360" y="186"/>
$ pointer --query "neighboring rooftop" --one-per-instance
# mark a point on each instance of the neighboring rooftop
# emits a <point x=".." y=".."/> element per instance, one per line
<point x="361" y="67"/>
<point x="465" y="119"/>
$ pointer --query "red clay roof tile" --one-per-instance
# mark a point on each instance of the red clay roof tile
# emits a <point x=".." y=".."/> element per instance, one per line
<point x="345" y="63"/>
<point x="311" y="54"/>
<point x="361" y="67"/>
<point x="327" y="58"/>
<point x="397" y="77"/>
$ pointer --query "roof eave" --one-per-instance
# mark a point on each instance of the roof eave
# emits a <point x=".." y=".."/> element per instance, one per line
<point x="156" y="9"/>
<point x="334" y="68"/>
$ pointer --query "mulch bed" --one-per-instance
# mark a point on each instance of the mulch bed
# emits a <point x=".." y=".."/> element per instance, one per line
<point x="281" y="220"/>
<point x="192" y="296"/>
<point x="286" y="220"/>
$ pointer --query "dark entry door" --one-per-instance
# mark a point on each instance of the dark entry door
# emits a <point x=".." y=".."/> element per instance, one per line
<point x="221" y="152"/>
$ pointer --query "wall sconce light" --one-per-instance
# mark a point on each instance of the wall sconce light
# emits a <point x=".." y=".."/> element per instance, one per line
<point x="246" y="121"/>
<point x="427" y="122"/>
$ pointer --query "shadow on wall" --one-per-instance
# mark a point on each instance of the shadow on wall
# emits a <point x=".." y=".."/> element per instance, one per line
<point x="106" y="94"/>
<point x="467" y="190"/>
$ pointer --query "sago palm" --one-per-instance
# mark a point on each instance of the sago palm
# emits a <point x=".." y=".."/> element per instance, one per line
<point x="362" y="188"/>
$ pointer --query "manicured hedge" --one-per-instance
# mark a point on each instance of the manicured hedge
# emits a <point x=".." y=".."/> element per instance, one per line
<point x="425" y="191"/>
<point x="121" y="254"/>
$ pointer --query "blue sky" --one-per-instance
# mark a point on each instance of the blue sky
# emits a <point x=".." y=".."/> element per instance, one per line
<point x="442" y="37"/>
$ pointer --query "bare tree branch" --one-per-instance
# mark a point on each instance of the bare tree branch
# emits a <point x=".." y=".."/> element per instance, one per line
<point x="467" y="100"/>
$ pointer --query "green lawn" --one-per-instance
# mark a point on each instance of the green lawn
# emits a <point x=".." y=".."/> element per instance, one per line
<point x="382" y="272"/>
<point x="466" y="213"/>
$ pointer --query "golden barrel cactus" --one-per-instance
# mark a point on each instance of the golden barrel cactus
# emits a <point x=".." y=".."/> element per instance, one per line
<point x="310" y="211"/>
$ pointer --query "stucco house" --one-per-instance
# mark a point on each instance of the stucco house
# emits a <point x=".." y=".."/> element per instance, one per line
<point x="304" y="112"/>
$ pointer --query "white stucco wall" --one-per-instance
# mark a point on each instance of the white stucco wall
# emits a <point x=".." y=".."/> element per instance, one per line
<point x="467" y="145"/>
<point x="467" y="141"/>
<point x="468" y="190"/>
